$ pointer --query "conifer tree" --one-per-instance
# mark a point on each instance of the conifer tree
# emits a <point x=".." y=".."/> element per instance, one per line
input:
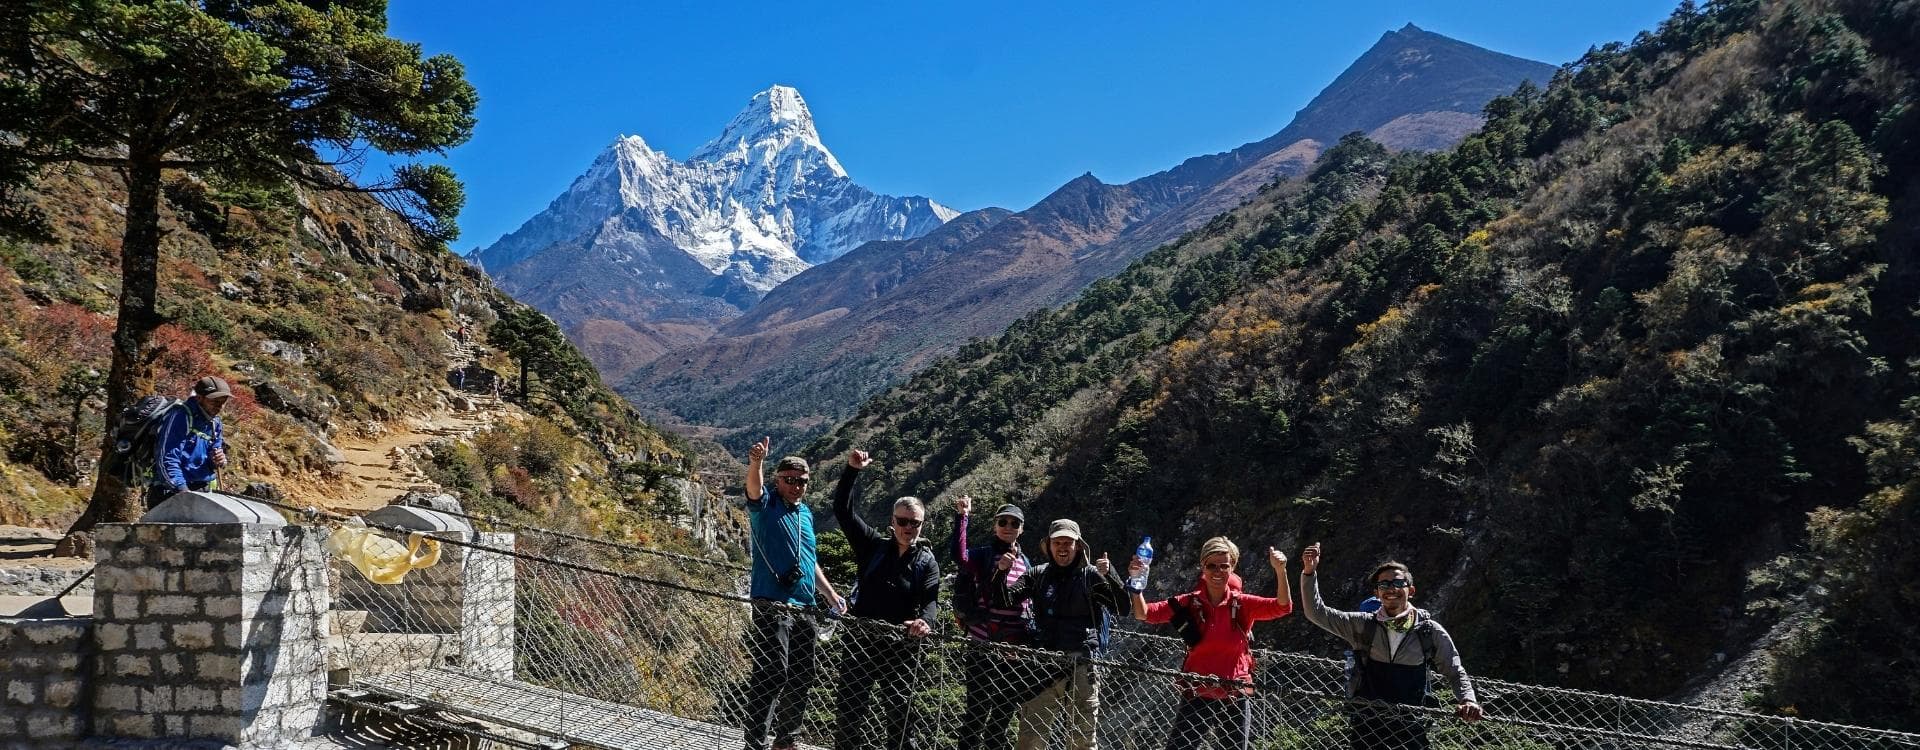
<point x="247" y="91"/>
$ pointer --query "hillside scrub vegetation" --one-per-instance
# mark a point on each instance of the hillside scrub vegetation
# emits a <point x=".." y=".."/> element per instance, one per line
<point x="1629" y="376"/>
<point x="331" y="323"/>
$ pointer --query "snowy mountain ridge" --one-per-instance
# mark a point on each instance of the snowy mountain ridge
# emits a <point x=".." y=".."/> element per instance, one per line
<point x="763" y="201"/>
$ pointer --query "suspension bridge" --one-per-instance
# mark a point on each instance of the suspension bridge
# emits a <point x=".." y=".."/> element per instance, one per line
<point x="606" y="645"/>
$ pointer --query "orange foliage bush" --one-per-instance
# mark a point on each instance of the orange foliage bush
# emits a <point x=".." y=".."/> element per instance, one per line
<point x="178" y="357"/>
<point x="67" y="332"/>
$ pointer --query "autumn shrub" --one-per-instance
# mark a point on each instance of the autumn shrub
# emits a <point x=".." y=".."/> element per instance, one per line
<point x="179" y="357"/>
<point x="65" y="332"/>
<point x="515" y="484"/>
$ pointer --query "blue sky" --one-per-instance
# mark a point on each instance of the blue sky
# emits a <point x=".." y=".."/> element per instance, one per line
<point x="973" y="105"/>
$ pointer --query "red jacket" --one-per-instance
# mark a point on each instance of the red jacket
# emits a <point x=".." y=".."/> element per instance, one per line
<point x="1225" y="649"/>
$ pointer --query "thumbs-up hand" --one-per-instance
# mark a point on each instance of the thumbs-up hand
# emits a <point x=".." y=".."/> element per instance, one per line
<point x="1104" y="565"/>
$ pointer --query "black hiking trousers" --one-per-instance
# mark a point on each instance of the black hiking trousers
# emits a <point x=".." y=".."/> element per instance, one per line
<point x="996" y="685"/>
<point x="1199" y="717"/>
<point x="877" y="675"/>
<point x="1388" y="728"/>
<point x="785" y="650"/>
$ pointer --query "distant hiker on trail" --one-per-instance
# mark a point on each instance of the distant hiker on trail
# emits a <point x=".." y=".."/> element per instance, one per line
<point x="1075" y="601"/>
<point x="189" y="449"/>
<point x="994" y="685"/>
<point x="1391" y="667"/>
<point x="786" y="571"/>
<point x="900" y="584"/>
<point x="1216" y="620"/>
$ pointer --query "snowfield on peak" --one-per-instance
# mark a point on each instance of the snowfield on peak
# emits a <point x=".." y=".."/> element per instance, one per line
<point x="759" y="203"/>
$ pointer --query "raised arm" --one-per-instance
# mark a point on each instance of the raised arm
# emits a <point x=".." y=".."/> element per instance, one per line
<point x="755" y="455"/>
<point x="860" y="536"/>
<point x="1108" y="590"/>
<point x="957" y="547"/>
<point x="1278" y="560"/>
<point x="1346" y="625"/>
<point x="1137" y="598"/>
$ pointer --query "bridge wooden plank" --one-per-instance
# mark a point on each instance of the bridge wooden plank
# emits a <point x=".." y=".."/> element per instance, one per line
<point x="553" y="713"/>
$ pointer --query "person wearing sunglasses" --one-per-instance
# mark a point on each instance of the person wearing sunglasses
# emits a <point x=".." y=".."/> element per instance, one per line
<point x="899" y="584"/>
<point x="1390" y="667"/>
<point x="1075" y="600"/>
<point x="785" y="575"/>
<point x="994" y="687"/>
<point x="1216" y="620"/>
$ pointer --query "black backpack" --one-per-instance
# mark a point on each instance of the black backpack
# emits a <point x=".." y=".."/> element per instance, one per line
<point x="134" y="435"/>
<point x="1189" y="616"/>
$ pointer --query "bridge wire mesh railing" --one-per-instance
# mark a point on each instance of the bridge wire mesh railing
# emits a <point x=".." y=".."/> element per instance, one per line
<point x="692" y="661"/>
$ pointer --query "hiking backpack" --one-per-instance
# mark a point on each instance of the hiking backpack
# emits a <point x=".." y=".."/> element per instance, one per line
<point x="134" y="433"/>
<point x="1190" y="619"/>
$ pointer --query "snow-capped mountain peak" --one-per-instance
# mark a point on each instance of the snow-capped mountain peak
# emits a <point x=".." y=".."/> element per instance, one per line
<point x="748" y="210"/>
<point x="773" y="122"/>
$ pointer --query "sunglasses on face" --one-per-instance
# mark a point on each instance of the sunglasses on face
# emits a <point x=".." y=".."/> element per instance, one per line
<point x="1006" y="522"/>
<point x="1393" y="583"/>
<point x="794" y="481"/>
<point x="1219" y="567"/>
<point x="907" y="523"/>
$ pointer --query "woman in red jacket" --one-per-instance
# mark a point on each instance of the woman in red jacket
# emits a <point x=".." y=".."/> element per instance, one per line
<point x="1216" y="620"/>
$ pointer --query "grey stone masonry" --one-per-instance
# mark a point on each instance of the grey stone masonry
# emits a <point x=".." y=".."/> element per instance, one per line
<point x="487" y="624"/>
<point x="43" y="669"/>
<point x="210" y="632"/>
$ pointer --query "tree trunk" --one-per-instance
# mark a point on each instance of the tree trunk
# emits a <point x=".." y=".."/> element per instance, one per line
<point x="523" y="379"/>
<point x="131" y="375"/>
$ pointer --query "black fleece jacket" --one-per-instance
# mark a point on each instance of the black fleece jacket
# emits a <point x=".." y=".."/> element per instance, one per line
<point x="893" y="587"/>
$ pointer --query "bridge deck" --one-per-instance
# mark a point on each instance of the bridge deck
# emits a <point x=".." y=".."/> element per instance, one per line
<point x="552" y="713"/>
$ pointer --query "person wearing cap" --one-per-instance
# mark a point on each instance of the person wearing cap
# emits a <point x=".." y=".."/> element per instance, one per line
<point x="899" y="584"/>
<point x="190" y="449"/>
<point x="1075" y="600"/>
<point x="785" y="577"/>
<point x="1216" y="619"/>
<point x="993" y="688"/>
<point x="1396" y="649"/>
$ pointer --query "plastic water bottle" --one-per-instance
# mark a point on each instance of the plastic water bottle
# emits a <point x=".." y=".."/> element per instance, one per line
<point x="1145" y="553"/>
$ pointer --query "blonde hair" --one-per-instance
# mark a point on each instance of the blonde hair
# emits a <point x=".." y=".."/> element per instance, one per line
<point x="1220" y="545"/>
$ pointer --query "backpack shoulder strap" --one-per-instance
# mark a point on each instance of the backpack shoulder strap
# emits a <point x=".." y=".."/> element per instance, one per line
<point x="1363" y="649"/>
<point x="1425" y="629"/>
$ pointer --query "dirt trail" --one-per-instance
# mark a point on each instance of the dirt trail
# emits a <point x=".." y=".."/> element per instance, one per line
<point x="380" y="467"/>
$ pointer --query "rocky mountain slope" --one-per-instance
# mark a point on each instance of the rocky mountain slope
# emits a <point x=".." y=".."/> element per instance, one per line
<point x="798" y="360"/>
<point x="643" y="252"/>
<point x="338" y="329"/>
<point x="1630" y="377"/>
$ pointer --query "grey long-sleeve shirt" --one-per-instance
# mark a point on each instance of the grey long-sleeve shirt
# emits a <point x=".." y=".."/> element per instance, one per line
<point x="1352" y="626"/>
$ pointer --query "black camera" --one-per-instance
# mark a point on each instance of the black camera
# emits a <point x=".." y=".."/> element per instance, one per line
<point x="790" y="577"/>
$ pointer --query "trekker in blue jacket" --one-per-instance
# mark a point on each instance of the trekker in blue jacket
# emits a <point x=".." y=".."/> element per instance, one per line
<point x="899" y="584"/>
<point x="190" y="449"/>
<point x="785" y="580"/>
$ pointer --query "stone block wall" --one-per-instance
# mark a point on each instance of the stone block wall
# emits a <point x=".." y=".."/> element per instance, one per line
<point x="210" y="632"/>
<point x="487" y="622"/>
<point x="43" y="668"/>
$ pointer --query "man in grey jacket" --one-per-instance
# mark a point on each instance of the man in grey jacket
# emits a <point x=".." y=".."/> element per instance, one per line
<point x="1391" y="667"/>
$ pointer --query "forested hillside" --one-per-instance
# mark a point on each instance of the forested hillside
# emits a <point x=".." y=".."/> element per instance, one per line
<point x="1630" y="377"/>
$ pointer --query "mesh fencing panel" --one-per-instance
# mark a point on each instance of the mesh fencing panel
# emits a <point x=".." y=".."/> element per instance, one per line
<point x="603" y="645"/>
